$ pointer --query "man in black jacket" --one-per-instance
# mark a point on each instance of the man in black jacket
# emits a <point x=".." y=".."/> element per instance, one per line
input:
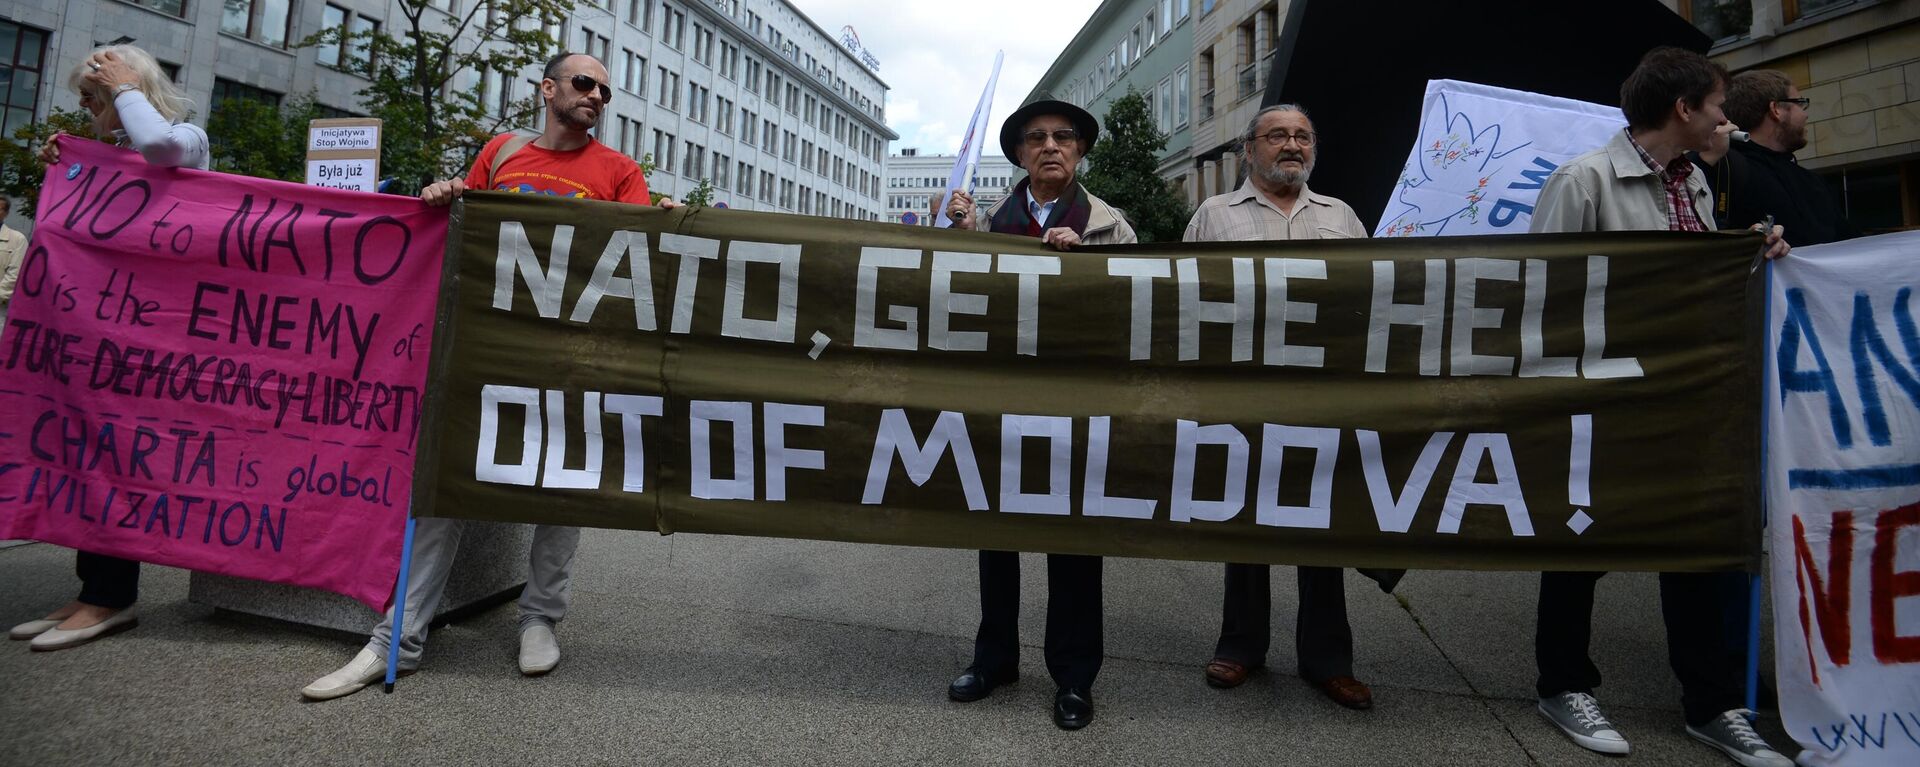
<point x="1760" y="177"/>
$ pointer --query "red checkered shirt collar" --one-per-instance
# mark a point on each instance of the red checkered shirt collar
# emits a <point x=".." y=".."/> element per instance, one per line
<point x="1673" y="180"/>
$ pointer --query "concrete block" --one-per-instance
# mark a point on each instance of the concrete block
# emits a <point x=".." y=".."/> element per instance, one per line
<point x="1897" y="123"/>
<point x="1838" y="61"/>
<point x="1823" y="101"/>
<point x="1874" y="90"/>
<point x="1843" y="134"/>
<point x="490" y="569"/>
<point x="1893" y="47"/>
<point x="1795" y="68"/>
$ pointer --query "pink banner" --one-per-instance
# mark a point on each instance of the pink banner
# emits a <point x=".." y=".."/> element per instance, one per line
<point x="218" y="372"/>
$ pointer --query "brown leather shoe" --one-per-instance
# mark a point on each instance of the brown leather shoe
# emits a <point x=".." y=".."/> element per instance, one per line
<point x="1226" y="674"/>
<point x="1346" y="691"/>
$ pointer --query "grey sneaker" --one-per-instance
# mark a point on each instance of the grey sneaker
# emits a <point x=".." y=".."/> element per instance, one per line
<point x="1578" y="715"/>
<point x="1732" y="733"/>
<point x="539" y="650"/>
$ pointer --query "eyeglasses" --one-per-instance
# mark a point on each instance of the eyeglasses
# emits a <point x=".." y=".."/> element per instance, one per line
<point x="1063" y="136"/>
<point x="1803" y="101"/>
<point x="584" y="84"/>
<point x="1279" y="137"/>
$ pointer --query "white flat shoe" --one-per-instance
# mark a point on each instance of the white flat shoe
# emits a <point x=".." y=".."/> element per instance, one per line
<point x="32" y="629"/>
<point x="539" y="650"/>
<point x="365" y="669"/>
<point x="61" y="639"/>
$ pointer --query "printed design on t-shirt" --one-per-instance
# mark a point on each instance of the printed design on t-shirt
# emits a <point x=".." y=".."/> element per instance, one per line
<point x="506" y="183"/>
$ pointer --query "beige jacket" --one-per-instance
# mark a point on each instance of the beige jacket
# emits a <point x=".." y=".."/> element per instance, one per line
<point x="1105" y="224"/>
<point x="1611" y="189"/>
<point x="13" y="247"/>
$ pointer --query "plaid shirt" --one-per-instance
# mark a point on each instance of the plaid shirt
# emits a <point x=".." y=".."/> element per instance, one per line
<point x="1681" y="216"/>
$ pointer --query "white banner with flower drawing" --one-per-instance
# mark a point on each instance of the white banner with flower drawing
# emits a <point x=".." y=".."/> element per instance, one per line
<point x="1482" y="155"/>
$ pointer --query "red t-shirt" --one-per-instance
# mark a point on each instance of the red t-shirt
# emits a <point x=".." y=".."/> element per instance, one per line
<point x="592" y="172"/>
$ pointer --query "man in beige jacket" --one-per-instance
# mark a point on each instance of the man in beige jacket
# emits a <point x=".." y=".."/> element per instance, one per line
<point x="13" y="248"/>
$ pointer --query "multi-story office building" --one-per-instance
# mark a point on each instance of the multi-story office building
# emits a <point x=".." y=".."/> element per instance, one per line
<point x="1858" y="62"/>
<point x="1233" y="47"/>
<point x="1134" y="45"/>
<point x="750" y="94"/>
<point x="913" y="179"/>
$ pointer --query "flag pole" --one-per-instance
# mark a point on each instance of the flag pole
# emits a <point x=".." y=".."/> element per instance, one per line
<point x="399" y="607"/>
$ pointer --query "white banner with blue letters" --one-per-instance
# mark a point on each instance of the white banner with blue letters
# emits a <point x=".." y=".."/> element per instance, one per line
<point x="1843" y="498"/>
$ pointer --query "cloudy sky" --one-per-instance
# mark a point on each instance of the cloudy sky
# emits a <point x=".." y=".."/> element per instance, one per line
<point x="935" y="57"/>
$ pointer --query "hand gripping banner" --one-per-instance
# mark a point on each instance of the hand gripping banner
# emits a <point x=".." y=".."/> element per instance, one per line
<point x="1522" y="402"/>
<point x="218" y="372"/>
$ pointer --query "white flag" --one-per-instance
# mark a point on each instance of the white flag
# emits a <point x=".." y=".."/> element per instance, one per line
<point x="962" y="175"/>
<point x="1482" y="155"/>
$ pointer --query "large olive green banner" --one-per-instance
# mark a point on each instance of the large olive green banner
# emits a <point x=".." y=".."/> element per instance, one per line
<point x="1514" y="402"/>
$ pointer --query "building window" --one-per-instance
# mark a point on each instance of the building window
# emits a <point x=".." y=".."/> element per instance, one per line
<point x="1182" y="96"/>
<point x="1720" y="19"/>
<point x="168" y="7"/>
<point x="640" y="14"/>
<point x="633" y="73"/>
<point x="1166" y="17"/>
<point x="1163" y="107"/>
<point x="262" y="21"/>
<point x="23" y="53"/>
<point x="224" y="89"/>
<point x="1800" y="9"/>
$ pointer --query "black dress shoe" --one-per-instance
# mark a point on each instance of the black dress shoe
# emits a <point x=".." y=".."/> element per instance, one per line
<point x="1072" y="709"/>
<point x="974" y="684"/>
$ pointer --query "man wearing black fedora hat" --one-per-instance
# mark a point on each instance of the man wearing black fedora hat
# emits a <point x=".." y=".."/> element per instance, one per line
<point x="1047" y="139"/>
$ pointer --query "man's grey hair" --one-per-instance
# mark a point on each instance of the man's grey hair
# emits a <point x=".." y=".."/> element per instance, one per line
<point x="1254" y="124"/>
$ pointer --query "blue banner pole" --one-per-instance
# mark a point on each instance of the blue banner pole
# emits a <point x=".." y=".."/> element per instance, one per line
<point x="399" y="607"/>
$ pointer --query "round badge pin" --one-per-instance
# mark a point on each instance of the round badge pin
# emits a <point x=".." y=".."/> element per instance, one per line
<point x="73" y="171"/>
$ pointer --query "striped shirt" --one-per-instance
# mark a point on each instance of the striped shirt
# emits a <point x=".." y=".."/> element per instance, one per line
<point x="1247" y="214"/>
<point x="1681" y="216"/>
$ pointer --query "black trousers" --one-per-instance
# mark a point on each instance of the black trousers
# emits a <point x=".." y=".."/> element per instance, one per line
<point x="105" y="581"/>
<point x="1073" y="646"/>
<point x="1323" y="642"/>
<point x="1694" y="607"/>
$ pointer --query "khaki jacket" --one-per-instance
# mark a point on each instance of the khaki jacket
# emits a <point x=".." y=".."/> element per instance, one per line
<point x="13" y="247"/>
<point x="1105" y="224"/>
<point x="1609" y="190"/>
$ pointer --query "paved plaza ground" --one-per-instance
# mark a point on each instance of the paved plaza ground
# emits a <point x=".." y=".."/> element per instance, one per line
<point x="693" y="649"/>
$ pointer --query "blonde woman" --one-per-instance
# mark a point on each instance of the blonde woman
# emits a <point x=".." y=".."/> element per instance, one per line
<point x="135" y="104"/>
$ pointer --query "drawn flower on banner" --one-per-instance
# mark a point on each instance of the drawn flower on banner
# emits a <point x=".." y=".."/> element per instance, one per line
<point x="1447" y="178"/>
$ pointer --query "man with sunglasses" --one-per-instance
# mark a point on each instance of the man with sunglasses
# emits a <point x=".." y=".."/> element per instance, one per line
<point x="1757" y="178"/>
<point x="1278" y="151"/>
<point x="566" y="161"/>
<point x="1047" y="139"/>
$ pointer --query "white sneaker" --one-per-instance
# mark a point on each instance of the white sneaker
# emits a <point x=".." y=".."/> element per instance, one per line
<point x="32" y="629"/>
<point x="539" y="650"/>
<point x="1578" y="715"/>
<point x="1733" y="734"/>
<point x="365" y="669"/>
<point x="61" y="639"/>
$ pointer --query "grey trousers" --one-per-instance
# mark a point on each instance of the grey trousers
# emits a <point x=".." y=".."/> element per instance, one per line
<point x="436" y="541"/>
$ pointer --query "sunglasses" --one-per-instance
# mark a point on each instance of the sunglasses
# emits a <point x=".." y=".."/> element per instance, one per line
<point x="1802" y="101"/>
<point x="1063" y="137"/>
<point x="585" y="84"/>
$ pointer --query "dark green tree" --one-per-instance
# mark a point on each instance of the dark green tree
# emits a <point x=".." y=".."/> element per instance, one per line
<point x="254" y="138"/>
<point x="21" y="172"/>
<point x="423" y="67"/>
<point x="1123" y="169"/>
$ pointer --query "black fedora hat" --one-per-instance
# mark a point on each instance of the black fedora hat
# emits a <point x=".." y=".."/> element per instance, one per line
<point x="1010" y="138"/>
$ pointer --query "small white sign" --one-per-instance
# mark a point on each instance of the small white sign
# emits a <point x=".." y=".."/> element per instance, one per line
<point x="357" y="175"/>
<point x="326" y="138"/>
